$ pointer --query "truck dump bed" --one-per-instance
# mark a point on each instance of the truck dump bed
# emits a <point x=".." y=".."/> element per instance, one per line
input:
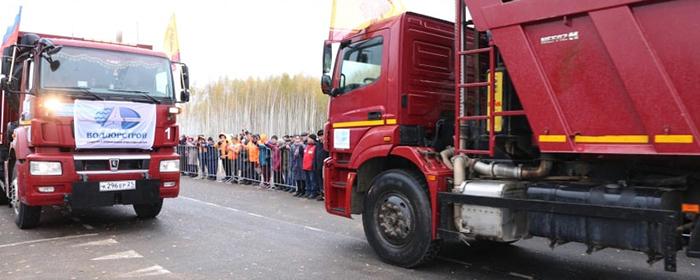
<point x="602" y="76"/>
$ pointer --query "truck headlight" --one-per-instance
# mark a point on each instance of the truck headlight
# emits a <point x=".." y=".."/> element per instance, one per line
<point x="45" y="168"/>
<point x="172" y="165"/>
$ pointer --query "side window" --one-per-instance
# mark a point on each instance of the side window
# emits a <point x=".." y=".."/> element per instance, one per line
<point x="362" y="64"/>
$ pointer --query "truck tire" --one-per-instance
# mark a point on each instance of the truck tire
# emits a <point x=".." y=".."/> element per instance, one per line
<point x="148" y="211"/>
<point x="397" y="219"/>
<point x="26" y="217"/>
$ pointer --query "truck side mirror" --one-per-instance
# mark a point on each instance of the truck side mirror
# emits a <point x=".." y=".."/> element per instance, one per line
<point x="327" y="57"/>
<point x="326" y="85"/>
<point x="185" y="78"/>
<point x="185" y="95"/>
<point x="6" y="60"/>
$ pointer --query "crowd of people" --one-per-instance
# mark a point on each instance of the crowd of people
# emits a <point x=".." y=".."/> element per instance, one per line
<point x="293" y="164"/>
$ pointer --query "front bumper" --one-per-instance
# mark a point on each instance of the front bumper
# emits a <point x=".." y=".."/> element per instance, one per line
<point x="78" y="190"/>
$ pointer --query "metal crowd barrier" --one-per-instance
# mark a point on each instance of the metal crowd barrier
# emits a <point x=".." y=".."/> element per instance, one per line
<point x="271" y="169"/>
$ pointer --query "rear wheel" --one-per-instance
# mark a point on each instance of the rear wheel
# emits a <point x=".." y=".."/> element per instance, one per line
<point x="26" y="216"/>
<point x="148" y="211"/>
<point x="397" y="219"/>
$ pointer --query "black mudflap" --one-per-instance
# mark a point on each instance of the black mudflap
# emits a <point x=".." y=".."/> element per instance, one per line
<point x="693" y="250"/>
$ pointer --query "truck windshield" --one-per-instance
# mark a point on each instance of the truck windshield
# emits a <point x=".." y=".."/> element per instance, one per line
<point x="106" y="73"/>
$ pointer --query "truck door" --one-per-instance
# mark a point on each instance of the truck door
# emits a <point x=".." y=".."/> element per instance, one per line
<point x="360" y="82"/>
<point x="359" y="103"/>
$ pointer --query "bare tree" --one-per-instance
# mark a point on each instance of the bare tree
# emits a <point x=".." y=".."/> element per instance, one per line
<point x="275" y="105"/>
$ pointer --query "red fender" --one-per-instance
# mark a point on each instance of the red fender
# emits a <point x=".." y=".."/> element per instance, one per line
<point x="373" y="144"/>
<point x="20" y="143"/>
<point x="435" y="173"/>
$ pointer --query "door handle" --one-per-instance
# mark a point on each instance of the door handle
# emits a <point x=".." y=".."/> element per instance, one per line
<point x="374" y="116"/>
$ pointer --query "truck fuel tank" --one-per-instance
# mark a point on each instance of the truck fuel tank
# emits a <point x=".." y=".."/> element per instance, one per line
<point x="496" y="224"/>
<point x="599" y="232"/>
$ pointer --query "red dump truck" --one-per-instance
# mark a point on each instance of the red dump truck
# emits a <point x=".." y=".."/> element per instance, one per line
<point x="576" y="121"/>
<point x="88" y="124"/>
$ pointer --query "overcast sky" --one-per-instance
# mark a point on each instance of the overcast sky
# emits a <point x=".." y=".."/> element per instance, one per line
<point x="234" y="38"/>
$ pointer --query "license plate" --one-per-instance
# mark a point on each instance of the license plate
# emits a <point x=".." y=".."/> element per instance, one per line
<point x="112" y="186"/>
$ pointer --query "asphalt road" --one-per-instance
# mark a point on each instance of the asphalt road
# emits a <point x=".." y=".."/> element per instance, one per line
<point x="224" y="231"/>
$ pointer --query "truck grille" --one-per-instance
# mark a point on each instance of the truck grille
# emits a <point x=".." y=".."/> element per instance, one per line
<point x="111" y="164"/>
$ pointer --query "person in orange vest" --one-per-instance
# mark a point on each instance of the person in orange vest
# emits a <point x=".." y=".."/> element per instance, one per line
<point x="222" y="146"/>
<point x="312" y="189"/>
<point x="234" y="151"/>
<point x="253" y="158"/>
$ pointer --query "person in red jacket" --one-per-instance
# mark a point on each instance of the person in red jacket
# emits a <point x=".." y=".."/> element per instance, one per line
<point x="312" y="190"/>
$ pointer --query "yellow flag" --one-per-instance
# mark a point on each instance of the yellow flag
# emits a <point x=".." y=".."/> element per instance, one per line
<point x="351" y="16"/>
<point x="171" y="46"/>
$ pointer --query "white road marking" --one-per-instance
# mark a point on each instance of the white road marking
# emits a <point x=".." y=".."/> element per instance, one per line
<point x="47" y="240"/>
<point x="313" y="228"/>
<point x="515" y="274"/>
<point x="211" y="204"/>
<point x="269" y="218"/>
<point x="149" y="271"/>
<point x="131" y="254"/>
<point x="256" y="215"/>
<point x="97" y="243"/>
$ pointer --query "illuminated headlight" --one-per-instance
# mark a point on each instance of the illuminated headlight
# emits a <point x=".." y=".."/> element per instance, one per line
<point x="53" y="103"/>
<point x="45" y="168"/>
<point x="170" y="165"/>
<point x="174" y="110"/>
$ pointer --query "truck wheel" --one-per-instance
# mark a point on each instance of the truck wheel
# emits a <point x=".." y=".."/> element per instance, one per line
<point x="26" y="216"/>
<point x="397" y="219"/>
<point x="148" y="211"/>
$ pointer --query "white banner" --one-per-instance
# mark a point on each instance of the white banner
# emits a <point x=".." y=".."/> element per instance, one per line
<point x="114" y="124"/>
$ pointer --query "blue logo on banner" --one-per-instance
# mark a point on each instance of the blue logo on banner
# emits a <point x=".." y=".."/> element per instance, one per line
<point x="124" y="117"/>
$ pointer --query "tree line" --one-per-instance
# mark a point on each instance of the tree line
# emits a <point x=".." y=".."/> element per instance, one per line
<point x="279" y="105"/>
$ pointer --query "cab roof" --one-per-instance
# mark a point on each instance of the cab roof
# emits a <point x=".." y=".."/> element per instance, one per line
<point x="388" y="22"/>
<point x="80" y="42"/>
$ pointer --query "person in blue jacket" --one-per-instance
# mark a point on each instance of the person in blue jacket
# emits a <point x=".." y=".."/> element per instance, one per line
<point x="297" y="170"/>
<point x="212" y="159"/>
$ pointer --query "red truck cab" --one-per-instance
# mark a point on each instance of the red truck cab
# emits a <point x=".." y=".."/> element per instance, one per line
<point x="392" y="85"/>
<point x="391" y="109"/>
<point x="88" y="124"/>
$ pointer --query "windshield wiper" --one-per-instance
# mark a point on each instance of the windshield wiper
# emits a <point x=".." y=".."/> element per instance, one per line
<point x="78" y="89"/>
<point x="141" y="92"/>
